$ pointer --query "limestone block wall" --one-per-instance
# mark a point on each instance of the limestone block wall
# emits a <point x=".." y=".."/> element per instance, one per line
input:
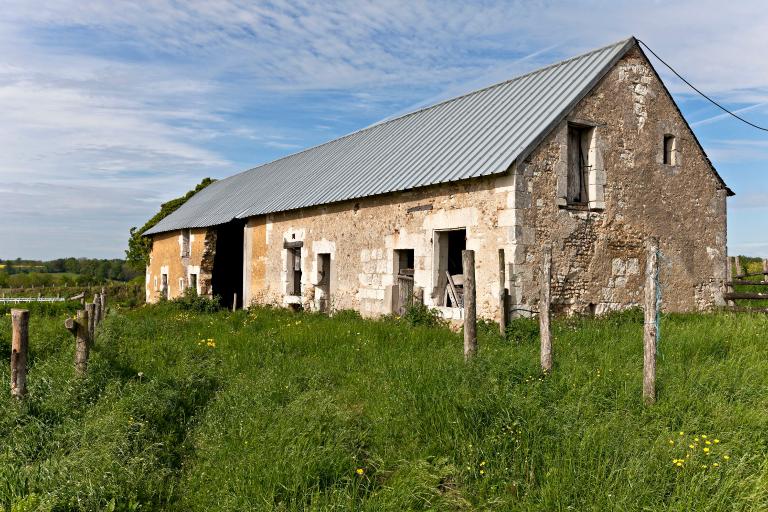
<point x="599" y="255"/>
<point x="361" y="238"/>
<point x="166" y="258"/>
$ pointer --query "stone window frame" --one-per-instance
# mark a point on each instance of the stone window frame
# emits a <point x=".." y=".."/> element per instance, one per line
<point x="289" y="251"/>
<point x="597" y="174"/>
<point x="185" y="243"/>
<point x="670" y="152"/>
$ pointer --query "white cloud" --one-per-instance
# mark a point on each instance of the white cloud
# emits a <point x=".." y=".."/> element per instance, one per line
<point x="135" y="101"/>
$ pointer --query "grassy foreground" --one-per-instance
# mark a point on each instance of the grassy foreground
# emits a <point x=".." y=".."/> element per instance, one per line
<point x="273" y="410"/>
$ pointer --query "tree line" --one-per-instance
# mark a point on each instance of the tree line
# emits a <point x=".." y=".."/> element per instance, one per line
<point x="21" y="273"/>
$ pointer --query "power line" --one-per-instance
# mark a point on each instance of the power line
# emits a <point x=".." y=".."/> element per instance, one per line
<point x="701" y="93"/>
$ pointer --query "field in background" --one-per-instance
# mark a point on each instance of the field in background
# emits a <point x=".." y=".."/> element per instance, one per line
<point x="273" y="410"/>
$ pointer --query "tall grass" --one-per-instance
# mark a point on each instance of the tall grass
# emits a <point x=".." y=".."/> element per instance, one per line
<point x="273" y="410"/>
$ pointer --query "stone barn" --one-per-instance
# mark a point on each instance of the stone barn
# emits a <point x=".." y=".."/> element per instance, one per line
<point x="590" y="155"/>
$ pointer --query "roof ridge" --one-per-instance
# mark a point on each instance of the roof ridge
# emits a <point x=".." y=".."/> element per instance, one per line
<point x="439" y="103"/>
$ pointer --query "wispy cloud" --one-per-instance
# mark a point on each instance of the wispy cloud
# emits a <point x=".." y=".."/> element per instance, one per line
<point x="133" y="102"/>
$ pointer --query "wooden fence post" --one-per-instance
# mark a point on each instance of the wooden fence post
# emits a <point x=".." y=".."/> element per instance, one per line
<point x="470" y="307"/>
<point x="728" y="280"/>
<point x="765" y="270"/>
<point x="103" y="302"/>
<point x="544" y="332"/>
<point x="502" y="294"/>
<point x="651" y="315"/>
<point x="92" y="315"/>
<point x="19" y="348"/>
<point x="79" y="327"/>
<point x="96" y="318"/>
<point x="234" y="303"/>
<point x="737" y="264"/>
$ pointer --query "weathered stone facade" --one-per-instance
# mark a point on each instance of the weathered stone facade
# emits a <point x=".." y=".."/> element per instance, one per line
<point x="168" y="259"/>
<point x="598" y="246"/>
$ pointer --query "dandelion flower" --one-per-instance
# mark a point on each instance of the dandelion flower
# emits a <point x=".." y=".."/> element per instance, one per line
<point x="682" y="433"/>
<point x="708" y="442"/>
<point x="671" y="441"/>
<point x="726" y="457"/>
<point x="703" y="436"/>
<point x="706" y="450"/>
<point x="482" y="471"/>
<point x="679" y="464"/>
<point x="691" y="446"/>
<point x="715" y="465"/>
<point x="359" y="471"/>
<point x="716" y="441"/>
<point x="482" y="463"/>
<point x="696" y="439"/>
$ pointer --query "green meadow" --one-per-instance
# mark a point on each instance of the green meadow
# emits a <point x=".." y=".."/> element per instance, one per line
<point x="274" y="410"/>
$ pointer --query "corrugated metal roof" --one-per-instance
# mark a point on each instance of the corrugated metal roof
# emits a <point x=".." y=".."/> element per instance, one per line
<point x="477" y="134"/>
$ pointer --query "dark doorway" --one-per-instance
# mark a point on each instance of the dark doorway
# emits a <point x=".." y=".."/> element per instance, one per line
<point x="227" y="277"/>
<point x="450" y="274"/>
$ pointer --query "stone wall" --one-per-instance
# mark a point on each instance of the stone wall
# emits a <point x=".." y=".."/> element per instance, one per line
<point x="166" y="258"/>
<point x="598" y="249"/>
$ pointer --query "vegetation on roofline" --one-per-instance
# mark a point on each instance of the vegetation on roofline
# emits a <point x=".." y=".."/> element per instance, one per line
<point x="139" y="246"/>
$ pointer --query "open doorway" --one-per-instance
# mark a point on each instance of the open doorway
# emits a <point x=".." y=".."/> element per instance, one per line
<point x="324" y="282"/>
<point x="450" y="274"/>
<point x="227" y="279"/>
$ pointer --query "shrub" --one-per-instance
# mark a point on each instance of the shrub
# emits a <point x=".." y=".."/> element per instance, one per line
<point x="523" y="330"/>
<point x="191" y="301"/>
<point x="420" y="314"/>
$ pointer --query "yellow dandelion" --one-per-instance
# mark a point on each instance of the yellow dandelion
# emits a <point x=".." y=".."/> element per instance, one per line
<point x="691" y="446"/>
<point x="726" y="457"/>
<point x="708" y="442"/>
<point x="716" y="441"/>
<point x="482" y="463"/>
<point x="703" y="466"/>
<point x="682" y="433"/>
<point x="679" y="464"/>
<point x="696" y="439"/>
<point x="706" y="450"/>
<point x="715" y="465"/>
<point x="703" y="436"/>
<point x="482" y="471"/>
<point x="359" y="471"/>
<point x="671" y="441"/>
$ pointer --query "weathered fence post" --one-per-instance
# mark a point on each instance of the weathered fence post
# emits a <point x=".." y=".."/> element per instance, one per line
<point x="92" y="315"/>
<point x="651" y="315"/>
<point x="470" y="307"/>
<point x="79" y="327"/>
<point x="737" y="264"/>
<point x="728" y="280"/>
<point x="19" y="348"/>
<point x="544" y="332"/>
<point x="502" y="294"/>
<point x="765" y="270"/>
<point x="96" y="318"/>
<point x="234" y="303"/>
<point x="103" y="302"/>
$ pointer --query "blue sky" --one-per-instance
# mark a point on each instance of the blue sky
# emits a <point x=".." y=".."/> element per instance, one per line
<point x="109" y="108"/>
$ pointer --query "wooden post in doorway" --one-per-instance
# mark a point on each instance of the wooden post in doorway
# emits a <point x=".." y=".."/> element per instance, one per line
<point x="502" y="294"/>
<point x="470" y="308"/>
<point x="19" y="349"/>
<point x="651" y="315"/>
<point x="544" y="299"/>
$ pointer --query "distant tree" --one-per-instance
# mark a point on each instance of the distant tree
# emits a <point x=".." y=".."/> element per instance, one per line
<point x="139" y="246"/>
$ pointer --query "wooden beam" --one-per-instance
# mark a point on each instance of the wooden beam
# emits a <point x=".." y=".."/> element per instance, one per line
<point x="81" y="343"/>
<point x="651" y="315"/>
<point x="746" y="295"/>
<point x="502" y="294"/>
<point x="544" y="299"/>
<point x="470" y="309"/>
<point x="19" y="350"/>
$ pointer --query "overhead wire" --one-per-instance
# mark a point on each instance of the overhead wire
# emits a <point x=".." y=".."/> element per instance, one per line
<point x="701" y="93"/>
